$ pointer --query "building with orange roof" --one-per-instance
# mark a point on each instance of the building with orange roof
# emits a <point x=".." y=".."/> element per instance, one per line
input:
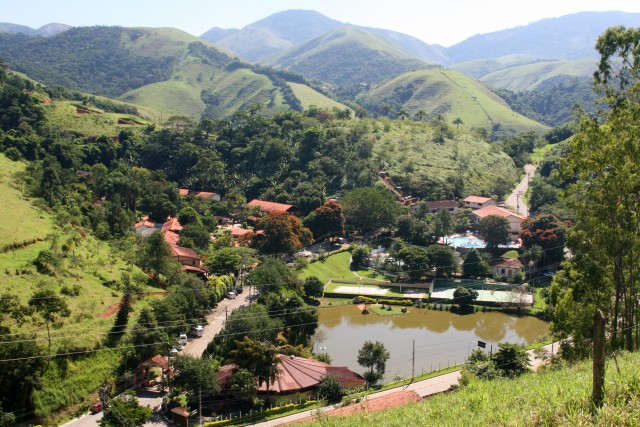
<point x="208" y="195"/>
<point x="508" y="267"/>
<point x="515" y="220"/>
<point x="269" y="207"/>
<point x="298" y="375"/>
<point x="479" y="202"/>
<point x="189" y="258"/>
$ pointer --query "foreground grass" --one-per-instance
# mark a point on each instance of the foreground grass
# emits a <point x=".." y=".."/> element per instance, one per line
<point x="557" y="396"/>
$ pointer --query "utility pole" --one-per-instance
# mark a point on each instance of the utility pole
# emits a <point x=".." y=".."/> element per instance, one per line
<point x="226" y="312"/>
<point x="200" y="402"/>
<point x="413" y="361"/>
<point x="597" y="395"/>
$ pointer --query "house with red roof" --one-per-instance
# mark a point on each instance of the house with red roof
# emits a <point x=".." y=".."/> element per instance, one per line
<point x="208" y="195"/>
<point x="434" y="207"/>
<point x="508" y="267"/>
<point x="515" y="220"/>
<point x="478" y="202"/>
<point x="189" y="258"/>
<point x="268" y="207"/>
<point x="297" y="375"/>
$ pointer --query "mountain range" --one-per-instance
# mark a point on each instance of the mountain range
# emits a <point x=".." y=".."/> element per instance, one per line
<point x="276" y="60"/>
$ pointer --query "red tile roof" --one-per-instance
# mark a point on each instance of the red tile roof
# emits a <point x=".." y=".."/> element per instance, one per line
<point x="269" y="206"/>
<point x="179" y="251"/>
<point x="237" y="232"/>
<point x="145" y="222"/>
<point x="477" y="199"/>
<point x="496" y="210"/>
<point x="510" y="263"/>
<point x="171" y="225"/>
<point x="157" y="360"/>
<point x="206" y="194"/>
<point x="184" y="192"/>
<point x="299" y="373"/>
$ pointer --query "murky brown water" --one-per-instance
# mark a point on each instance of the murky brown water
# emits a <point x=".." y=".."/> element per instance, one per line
<point x="441" y="338"/>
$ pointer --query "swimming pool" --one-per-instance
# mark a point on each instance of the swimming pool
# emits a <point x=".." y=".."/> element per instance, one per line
<point x="464" y="242"/>
<point x="470" y="241"/>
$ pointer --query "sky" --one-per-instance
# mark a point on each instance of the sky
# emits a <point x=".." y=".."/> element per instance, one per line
<point x="444" y="22"/>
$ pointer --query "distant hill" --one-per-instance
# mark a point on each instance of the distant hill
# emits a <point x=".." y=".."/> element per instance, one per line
<point x="164" y="69"/>
<point x="275" y="33"/>
<point x="531" y="76"/>
<point x="347" y="55"/>
<point x="567" y="37"/>
<point x="47" y="30"/>
<point x="216" y="34"/>
<point x="285" y="29"/>
<point x="451" y="94"/>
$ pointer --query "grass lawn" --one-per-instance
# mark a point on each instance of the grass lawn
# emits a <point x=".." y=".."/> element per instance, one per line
<point x="336" y="267"/>
<point x="377" y="309"/>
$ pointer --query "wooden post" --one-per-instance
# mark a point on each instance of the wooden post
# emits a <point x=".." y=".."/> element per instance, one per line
<point x="597" y="395"/>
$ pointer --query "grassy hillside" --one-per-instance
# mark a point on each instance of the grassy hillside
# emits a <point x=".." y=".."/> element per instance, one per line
<point x="309" y="96"/>
<point x="87" y="277"/>
<point x="164" y="70"/>
<point x="532" y="76"/>
<point x="411" y="155"/>
<point x="87" y="120"/>
<point x="346" y="55"/>
<point x="552" y="397"/>
<point x="452" y="94"/>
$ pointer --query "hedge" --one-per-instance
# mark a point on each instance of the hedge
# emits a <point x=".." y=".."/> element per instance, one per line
<point x="266" y="413"/>
<point x="369" y="300"/>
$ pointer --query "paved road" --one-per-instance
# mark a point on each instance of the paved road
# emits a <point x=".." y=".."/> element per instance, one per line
<point x="194" y="347"/>
<point x="215" y="320"/>
<point x="423" y="388"/>
<point x="515" y="200"/>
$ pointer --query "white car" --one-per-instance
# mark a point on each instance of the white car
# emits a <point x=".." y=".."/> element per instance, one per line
<point x="231" y="295"/>
<point x="182" y="340"/>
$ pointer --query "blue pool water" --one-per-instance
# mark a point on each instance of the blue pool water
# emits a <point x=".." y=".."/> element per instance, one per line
<point x="472" y="242"/>
<point x="465" y="242"/>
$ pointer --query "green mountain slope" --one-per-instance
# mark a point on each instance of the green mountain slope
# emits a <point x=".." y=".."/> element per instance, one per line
<point x="449" y="93"/>
<point x="309" y="97"/>
<point x="425" y="167"/>
<point x="274" y="33"/>
<point x="347" y="55"/>
<point x="532" y="76"/>
<point x="164" y="69"/>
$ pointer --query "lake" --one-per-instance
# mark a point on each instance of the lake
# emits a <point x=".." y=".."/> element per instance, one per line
<point x="441" y="338"/>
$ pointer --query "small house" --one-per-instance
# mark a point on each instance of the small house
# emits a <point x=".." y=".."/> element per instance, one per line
<point x="508" y="268"/>
<point x="449" y="205"/>
<point x="268" y="207"/>
<point x="478" y="202"/>
<point x="515" y="220"/>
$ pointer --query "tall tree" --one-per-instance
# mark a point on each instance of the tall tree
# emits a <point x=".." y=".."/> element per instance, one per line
<point x="51" y="306"/>
<point x="196" y="376"/>
<point x="125" y="411"/>
<point x="281" y="233"/>
<point x="259" y="358"/>
<point x="370" y="208"/>
<point x="373" y="355"/>
<point x="327" y="220"/>
<point x="604" y="164"/>
<point x="495" y="230"/>
<point x="155" y="254"/>
<point x="547" y="232"/>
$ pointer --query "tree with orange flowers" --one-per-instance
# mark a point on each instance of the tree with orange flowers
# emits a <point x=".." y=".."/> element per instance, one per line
<point x="281" y="233"/>
<point x="548" y="232"/>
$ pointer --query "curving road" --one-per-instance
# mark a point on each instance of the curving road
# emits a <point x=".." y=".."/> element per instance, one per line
<point x="515" y="201"/>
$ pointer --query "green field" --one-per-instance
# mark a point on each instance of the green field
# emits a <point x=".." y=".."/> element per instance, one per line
<point x="309" y="97"/>
<point x="93" y="122"/>
<point x="552" y="397"/>
<point x="334" y="267"/>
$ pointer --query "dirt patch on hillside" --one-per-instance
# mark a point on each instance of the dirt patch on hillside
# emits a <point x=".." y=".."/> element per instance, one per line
<point x="110" y="311"/>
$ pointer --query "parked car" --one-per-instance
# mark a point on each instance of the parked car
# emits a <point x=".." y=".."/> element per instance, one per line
<point x="231" y="295"/>
<point x="239" y="290"/>
<point x="199" y="330"/>
<point x="182" y="339"/>
<point x="97" y="407"/>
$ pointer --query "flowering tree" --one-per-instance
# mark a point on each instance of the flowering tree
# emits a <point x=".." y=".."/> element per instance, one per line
<point x="547" y="232"/>
<point x="281" y="233"/>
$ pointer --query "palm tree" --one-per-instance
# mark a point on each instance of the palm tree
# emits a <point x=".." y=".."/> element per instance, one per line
<point x="402" y="114"/>
<point x="420" y="115"/>
<point x="457" y="121"/>
<point x="385" y="110"/>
